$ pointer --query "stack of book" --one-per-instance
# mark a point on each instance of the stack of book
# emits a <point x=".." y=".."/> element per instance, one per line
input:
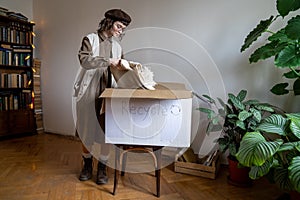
<point x="18" y="16"/>
<point x="37" y="95"/>
<point x="3" y="11"/>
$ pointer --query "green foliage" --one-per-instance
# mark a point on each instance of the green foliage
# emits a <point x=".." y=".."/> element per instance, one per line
<point x="234" y="118"/>
<point x="257" y="32"/>
<point x="256" y="150"/>
<point x="283" y="45"/>
<point x="286" y="6"/>
<point x="274" y="150"/>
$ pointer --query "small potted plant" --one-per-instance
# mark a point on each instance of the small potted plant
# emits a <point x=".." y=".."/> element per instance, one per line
<point x="273" y="150"/>
<point x="234" y="119"/>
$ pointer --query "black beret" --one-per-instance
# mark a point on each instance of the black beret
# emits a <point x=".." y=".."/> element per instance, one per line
<point x="118" y="15"/>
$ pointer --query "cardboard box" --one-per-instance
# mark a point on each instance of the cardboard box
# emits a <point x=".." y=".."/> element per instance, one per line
<point x="160" y="117"/>
<point x="199" y="169"/>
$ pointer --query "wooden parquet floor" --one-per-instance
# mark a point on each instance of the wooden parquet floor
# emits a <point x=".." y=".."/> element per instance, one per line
<point x="46" y="166"/>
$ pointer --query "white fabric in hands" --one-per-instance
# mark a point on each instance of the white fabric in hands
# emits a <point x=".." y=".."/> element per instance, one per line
<point x="134" y="75"/>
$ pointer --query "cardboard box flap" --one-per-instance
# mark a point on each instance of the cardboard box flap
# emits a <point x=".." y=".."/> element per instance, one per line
<point x="162" y="91"/>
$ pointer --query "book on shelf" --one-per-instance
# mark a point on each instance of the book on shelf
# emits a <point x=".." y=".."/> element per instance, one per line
<point x="21" y="50"/>
<point x="22" y="59"/>
<point x="15" y="101"/>
<point x="15" y="55"/>
<point x="14" y="80"/>
<point x="16" y="33"/>
<point x="6" y="56"/>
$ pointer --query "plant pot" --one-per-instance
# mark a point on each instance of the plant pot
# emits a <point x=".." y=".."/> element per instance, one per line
<point x="238" y="176"/>
<point x="294" y="195"/>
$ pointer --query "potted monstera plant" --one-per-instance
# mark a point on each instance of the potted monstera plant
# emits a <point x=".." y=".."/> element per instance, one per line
<point x="234" y="118"/>
<point x="283" y="44"/>
<point x="273" y="150"/>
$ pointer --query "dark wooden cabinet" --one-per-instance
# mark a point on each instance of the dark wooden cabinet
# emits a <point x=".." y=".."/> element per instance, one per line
<point x="16" y="123"/>
<point x="16" y="77"/>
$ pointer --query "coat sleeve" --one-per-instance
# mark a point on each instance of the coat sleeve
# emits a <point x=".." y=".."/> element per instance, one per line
<point x="86" y="58"/>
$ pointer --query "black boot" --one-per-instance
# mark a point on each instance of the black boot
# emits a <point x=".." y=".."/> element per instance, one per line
<point x="87" y="170"/>
<point x="101" y="173"/>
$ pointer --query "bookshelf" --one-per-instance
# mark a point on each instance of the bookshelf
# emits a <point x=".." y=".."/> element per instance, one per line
<point x="16" y="77"/>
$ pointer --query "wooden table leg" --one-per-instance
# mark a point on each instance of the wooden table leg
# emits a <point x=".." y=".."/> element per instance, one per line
<point x="116" y="175"/>
<point x="158" y="170"/>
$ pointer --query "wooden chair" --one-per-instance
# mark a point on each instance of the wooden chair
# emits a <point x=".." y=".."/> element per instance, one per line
<point x="121" y="157"/>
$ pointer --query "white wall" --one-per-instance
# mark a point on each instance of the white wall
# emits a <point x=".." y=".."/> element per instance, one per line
<point x="195" y="41"/>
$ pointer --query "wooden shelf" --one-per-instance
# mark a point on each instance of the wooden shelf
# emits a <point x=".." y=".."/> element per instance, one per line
<point x="17" y="115"/>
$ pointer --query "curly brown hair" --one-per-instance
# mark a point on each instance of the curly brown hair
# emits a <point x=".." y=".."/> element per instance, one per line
<point x="105" y="24"/>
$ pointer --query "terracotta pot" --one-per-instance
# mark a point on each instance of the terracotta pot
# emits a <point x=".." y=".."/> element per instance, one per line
<point x="238" y="176"/>
<point x="294" y="195"/>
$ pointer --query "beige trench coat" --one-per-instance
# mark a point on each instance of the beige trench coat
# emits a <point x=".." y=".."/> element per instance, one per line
<point x="90" y="82"/>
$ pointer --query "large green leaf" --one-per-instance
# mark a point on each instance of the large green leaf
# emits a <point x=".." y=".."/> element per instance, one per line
<point x="242" y="95"/>
<point x="293" y="28"/>
<point x="252" y="125"/>
<point x="296" y="87"/>
<point x="236" y="101"/>
<point x="265" y="107"/>
<point x="284" y="7"/>
<point x="288" y="57"/>
<point x="294" y="173"/>
<point x="281" y="177"/>
<point x="210" y="113"/>
<point x="271" y="49"/>
<point x="256" y="32"/>
<point x="230" y="116"/>
<point x="280" y="36"/>
<point x="280" y="89"/>
<point x="244" y="115"/>
<point x="240" y="124"/>
<point x="297" y="146"/>
<point x="256" y="114"/>
<point x="206" y="110"/>
<point x="255" y="150"/>
<point x="210" y="100"/>
<point x="251" y="102"/>
<point x="275" y="123"/>
<point x="288" y="146"/>
<point x="295" y="127"/>
<point x="259" y="171"/>
<point x="291" y="74"/>
<point x="295" y="116"/>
